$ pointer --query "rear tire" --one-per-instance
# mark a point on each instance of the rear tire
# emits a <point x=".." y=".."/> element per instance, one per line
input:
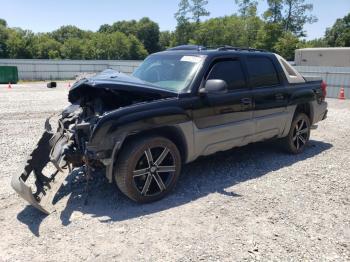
<point x="148" y="168"/>
<point x="299" y="134"/>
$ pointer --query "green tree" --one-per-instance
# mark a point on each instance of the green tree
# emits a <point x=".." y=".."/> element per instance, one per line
<point x="251" y="22"/>
<point x="3" y="39"/>
<point x="136" y="50"/>
<point x="146" y="30"/>
<point x="274" y="13"/>
<point x="286" y="45"/>
<point x="297" y="15"/>
<point x="184" y="33"/>
<point x="318" y="42"/>
<point x="198" y="9"/>
<point x="19" y="43"/>
<point x="66" y="32"/>
<point x="3" y="22"/>
<point x="105" y="28"/>
<point x="182" y="14"/>
<point x="247" y="7"/>
<point x="126" y="27"/>
<point x="116" y="45"/>
<point x="228" y="30"/>
<point x="339" y="33"/>
<point x="45" y="47"/>
<point x="166" y="40"/>
<point x="72" y="48"/>
<point x="148" y="34"/>
<point x="268" y="35"/>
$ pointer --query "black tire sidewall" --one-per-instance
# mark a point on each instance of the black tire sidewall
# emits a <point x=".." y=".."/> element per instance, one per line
<point x="128" y="159"/>
<point x="289" y="139"/>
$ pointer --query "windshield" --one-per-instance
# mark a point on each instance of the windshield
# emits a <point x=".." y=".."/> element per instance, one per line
<point x="170" y="72"/>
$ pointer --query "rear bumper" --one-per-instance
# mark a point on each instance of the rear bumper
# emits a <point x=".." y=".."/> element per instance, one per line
<point x="320" y="112"/>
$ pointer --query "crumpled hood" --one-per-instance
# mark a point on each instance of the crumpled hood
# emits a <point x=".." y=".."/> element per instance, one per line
<point x="113" y="80"/>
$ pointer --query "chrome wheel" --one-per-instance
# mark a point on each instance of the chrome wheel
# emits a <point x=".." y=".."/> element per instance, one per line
<point x="154" y="171"/>
<point x="300" y="134"/>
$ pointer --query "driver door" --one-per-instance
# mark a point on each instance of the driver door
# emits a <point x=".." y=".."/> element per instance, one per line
<point x="224" y="120"/>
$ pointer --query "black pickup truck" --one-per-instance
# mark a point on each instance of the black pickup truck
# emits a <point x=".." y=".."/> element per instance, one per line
<point x="180" y="104"/>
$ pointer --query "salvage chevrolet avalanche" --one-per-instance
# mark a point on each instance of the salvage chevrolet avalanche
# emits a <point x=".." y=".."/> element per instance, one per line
<point x="186" y="102"/>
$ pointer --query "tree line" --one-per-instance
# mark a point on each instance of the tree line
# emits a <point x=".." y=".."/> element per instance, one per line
<point x="279" y="29"/>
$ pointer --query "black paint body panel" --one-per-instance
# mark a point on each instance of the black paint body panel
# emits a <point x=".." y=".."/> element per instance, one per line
<point x="170" y="109"/>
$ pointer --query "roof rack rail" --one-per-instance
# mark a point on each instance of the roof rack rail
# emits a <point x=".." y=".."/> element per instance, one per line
<point x="187" y="47"/>
<point x="228" y="47"/>
<point x="217" y="48"/>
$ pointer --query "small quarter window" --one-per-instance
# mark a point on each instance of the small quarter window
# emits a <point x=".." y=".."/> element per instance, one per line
<point x="262" y="72"/>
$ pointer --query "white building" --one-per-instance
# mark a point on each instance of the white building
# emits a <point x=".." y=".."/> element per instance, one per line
<point x="328" y="56"/>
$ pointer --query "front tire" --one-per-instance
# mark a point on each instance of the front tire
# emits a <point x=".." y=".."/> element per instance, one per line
<point x="299" y="134"/>
<point x="148" y="168"/>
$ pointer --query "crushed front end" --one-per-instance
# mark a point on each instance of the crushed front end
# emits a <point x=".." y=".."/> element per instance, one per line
<point x="81" y="138"/>
<point x="53" y="159"/>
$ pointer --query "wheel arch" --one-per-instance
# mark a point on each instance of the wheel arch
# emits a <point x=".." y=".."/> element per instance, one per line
<point x="172" y="133"/>
<point x="305" y="108"/>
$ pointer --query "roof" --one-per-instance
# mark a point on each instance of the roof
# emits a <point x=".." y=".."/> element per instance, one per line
<point x="201" y="50"/>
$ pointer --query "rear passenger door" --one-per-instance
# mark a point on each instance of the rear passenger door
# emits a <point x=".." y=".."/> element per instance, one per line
<point x="227" y="121"/>
<point x="270" y="97"/>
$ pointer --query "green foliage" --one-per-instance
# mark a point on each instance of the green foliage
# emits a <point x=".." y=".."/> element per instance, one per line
<point x="136" y="49"/>
<point x="3" y="22"/>
<point x="198" y="10"/>
<point x="247" y="7"/>
<point x="274" y="12"/>
<point x="66" y="32"/>
<point x="339" y="33"/>
<point x="126" y="27"/>
<point x="45" y="47"/>
<point x="148" y="33"/>
<point x="3" y="39"/>
<point x="115" y="45"/>
<point x="166" y="40"/>
<point x="296" y="16"/>
<point x="268" y="35"/>
<point x="72" y="48"/>
<point x="184" y="33"/>
<point x="227" y="30"/>
<point x="194" y="10"/>
<point x="278" y="30"/>
<point x="182" y="15"/>
<point x="146" y="30"/>
<point x="19" y="43"/>
<point x="122" y="40"/>
<point x="286" y="45"/>
<point x="318" y="42"/>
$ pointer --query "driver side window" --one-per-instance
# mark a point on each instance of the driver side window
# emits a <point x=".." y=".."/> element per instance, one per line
<point x="231" y="72"/>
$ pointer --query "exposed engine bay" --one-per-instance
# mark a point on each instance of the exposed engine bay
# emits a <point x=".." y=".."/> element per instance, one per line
<point x="66" y="146"/>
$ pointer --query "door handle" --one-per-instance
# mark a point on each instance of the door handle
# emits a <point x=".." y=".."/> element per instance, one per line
<point x="246" y="101"/>
<point x="279" y="96"/>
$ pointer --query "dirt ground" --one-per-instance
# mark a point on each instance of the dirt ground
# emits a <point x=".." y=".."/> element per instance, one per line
<point x="251" y="203"/>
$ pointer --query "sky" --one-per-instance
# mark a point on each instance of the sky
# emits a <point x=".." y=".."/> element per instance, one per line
<point x="48" y="15"/>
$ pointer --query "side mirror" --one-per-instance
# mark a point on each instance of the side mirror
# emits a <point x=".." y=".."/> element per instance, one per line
<point x="214" y="86"/>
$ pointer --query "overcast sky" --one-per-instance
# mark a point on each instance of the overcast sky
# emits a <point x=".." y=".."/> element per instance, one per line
<point x="44" y="16"/>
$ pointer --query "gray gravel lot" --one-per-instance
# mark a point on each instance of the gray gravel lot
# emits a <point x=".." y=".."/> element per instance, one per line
<point x="251" y="203"/>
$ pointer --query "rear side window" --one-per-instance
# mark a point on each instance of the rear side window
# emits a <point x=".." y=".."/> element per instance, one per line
<point x="229" y="71"/>
<point x="262" y="72"/>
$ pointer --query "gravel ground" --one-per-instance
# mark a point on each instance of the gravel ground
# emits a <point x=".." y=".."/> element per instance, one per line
<point x="251" y="203"/>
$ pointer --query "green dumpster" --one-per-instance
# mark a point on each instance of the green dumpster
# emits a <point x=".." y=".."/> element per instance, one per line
<point x="8" y="74"/>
